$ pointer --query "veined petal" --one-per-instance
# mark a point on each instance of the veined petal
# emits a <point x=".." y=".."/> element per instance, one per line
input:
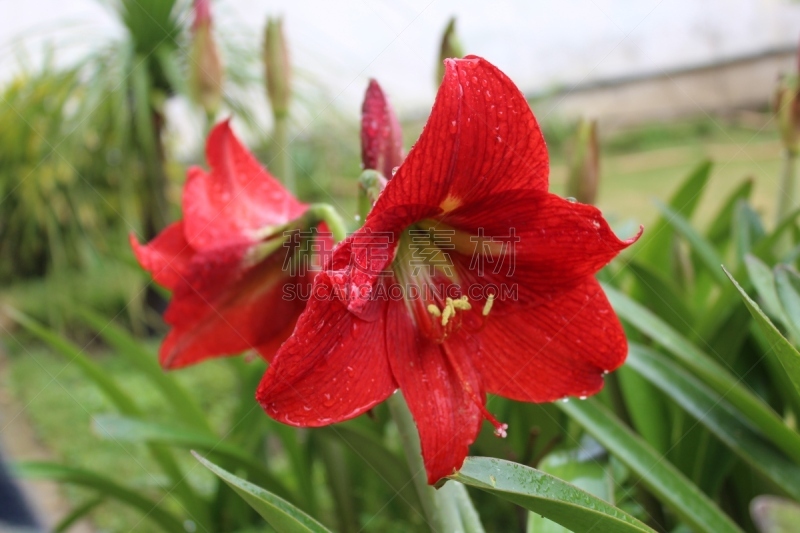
<point x="481" y="138"/>
<point x="333" y="368"/>
<point x="166" y="257"/>
<point x="443" y="398"/>
<point x="237" y="201"/>
<point x="560" y="347"/>
<point x="381" y="136"/>
<point x="535" y="239"/>
<point x="224" y="307"/>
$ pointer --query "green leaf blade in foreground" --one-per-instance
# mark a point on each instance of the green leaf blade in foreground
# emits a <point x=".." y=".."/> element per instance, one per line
<point x="709" y="371"/>
<point x="279" y="513"/>
<point x="714" y="412"/>
<point x="547" y="495"/>
<point x="657" y="474"/>
<point x="786" y="353"/>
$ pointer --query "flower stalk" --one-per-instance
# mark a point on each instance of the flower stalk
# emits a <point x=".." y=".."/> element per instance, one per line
<point x="439" y="509"/>
<point x="786" y="187"/>
<point x="279" y="91"/>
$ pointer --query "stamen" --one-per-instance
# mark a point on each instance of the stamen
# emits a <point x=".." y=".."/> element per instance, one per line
<point x="488" y="305"/>
<point x="447" y="312"/>
<point x="499" y="427"/>
<point x="462" y="303"/>
<point x="432" y="309"/>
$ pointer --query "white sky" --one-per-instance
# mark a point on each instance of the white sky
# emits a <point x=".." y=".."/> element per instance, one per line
<point x="539" y="43"/>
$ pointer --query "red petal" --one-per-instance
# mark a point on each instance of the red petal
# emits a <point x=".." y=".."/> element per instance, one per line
<point x="381" y="137"/>
<point x="237" y="200"/>
<point x="166" y="257"/>
<point x="447" y="415"/>
<point x="481" y="137"/>
<point x="223" y="308"/>
<point x="558" y="243"/>
<point x="560" y="347"/>
<point x="333" y="368"/>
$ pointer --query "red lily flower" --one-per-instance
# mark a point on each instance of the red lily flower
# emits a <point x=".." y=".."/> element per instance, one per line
<point x="224" y="262"/>
<point x="381" y="137"/>
<point x="398" y="306"/>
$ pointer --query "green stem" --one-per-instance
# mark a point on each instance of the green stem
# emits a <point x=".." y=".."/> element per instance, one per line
<point x="370" y="185"/>
<point x="786" y="190"/>
<point x="332" y="218"/>
<point x="448" y="508"/>
<point x="283" y="160"/>
<point x="439" y="507"/>
<point x="469" y="516"/>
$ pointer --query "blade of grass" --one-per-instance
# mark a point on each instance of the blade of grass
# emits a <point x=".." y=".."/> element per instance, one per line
<point x="710" y="372"/>
<point x="660" y="477"/>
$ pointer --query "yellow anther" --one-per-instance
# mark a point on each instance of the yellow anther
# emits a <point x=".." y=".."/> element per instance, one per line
<point x="447" y="312"/>
<point x="432" y="309"/>
<point x="488" y="305"/>
<point x="462" y="303"/>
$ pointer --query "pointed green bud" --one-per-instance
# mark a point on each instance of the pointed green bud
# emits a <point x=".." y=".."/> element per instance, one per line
<point x="584" y="164"/>
<point x="206" y="71"/>
<point x="450" y="48"/>
<point x="277" y="68"/>
<point x="787" y="112"/>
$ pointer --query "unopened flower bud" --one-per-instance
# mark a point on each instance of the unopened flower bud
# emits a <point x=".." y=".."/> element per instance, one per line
<point x="381" y="136"/>
<point x="450" y="48"/>
<point x="584" y="164"/>
<point x="787" y="112"/>
<point x="206" y="70"/>
<point x="277" y="68"/>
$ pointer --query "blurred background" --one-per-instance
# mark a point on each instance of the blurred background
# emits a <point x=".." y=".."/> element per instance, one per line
<point x="102" y="111"/>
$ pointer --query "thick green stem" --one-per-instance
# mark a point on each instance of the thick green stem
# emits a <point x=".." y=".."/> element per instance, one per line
<point x="469" y="516"/>
<point x="786" y="190"/>
<point x="283" y="159"/>
<point x="448" y="509"/>
<point x="370" y="185"/>
<point x="408" y="435"/>
<point x="332" y="218"/>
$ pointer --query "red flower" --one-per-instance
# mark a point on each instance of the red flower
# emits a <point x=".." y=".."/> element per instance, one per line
<point x="416" y="300"/>
<point x="224" y="262"/>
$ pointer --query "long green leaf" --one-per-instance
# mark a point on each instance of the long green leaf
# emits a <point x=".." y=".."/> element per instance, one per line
<point x="658" y="475"/>
<point x="280" y="514"/>
<point x="77" y="513"/>
<point x="704" y="250"/>
<point x="75" y="356"/>
<point x="546" y="495"/>
<point x="713" y="411"/>
<point x="763" y="280"/>
<point x="709" y="371"/>
<point x="104" y="486"/>
<point x="655" y="247"/>
<point x="184" y="404"/>
<point x="130" y="430"/>
<point x="120" y="400"/>
<point x="786" y="353"/>
<point x="388" y="466"/>
<point x="787" y="283"/>
<point x="720" y="226"/>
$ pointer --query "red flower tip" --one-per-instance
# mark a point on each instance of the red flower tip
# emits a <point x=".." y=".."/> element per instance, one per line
<point x="202" y="13"/>
<point x="381" y="136"/>
<point x="635" y="238"/>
